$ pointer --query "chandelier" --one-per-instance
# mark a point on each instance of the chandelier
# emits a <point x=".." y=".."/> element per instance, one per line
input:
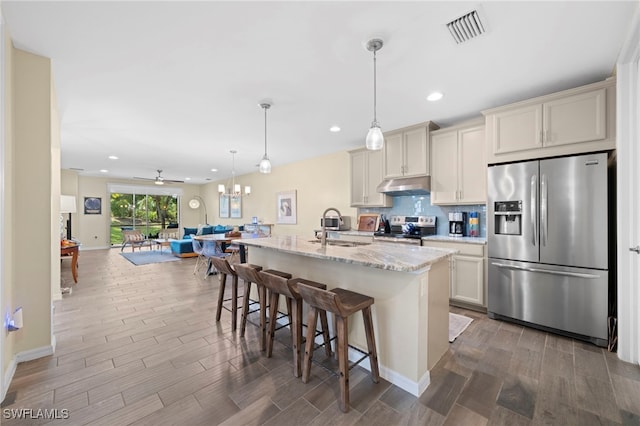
<point x="233" y="189"/>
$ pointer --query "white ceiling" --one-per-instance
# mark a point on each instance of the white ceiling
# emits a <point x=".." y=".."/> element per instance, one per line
<point x="176" y="85"/>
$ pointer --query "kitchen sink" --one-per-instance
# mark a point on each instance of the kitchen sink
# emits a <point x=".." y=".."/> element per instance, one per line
<point x="342" y="243"/>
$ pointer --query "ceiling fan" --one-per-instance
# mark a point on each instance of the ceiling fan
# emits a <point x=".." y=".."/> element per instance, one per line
<point x="159" y="180"/>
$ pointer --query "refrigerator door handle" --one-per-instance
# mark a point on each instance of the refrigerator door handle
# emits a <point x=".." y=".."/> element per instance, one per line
<point x="543" y="209"/>
<point x="546" y="271"/>
<point x="534" y="203"/>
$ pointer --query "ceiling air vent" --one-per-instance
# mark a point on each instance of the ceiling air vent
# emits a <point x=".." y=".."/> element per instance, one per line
<point x="466" y="27"/>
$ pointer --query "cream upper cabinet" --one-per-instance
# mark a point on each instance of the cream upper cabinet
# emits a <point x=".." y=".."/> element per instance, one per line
<point x="458" y="166"/>
<point x="575" y="119"/>
<point x="468" y="272"/>
<point x="406" y="151"/>
<point x="564" y="123"/>
<point x="517" y="129"/>
<point x="366" y="175"/>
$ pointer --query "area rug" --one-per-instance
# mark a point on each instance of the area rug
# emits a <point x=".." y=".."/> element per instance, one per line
<point x="457" y="324"/>
<point x="146" y="257"/>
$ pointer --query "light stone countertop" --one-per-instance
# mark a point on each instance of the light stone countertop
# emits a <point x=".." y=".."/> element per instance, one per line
<point x="446" y="238"/>
<point x="388" y="256"/>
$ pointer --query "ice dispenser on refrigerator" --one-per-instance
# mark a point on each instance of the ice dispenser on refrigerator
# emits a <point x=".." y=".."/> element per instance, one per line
<point x="508" y="217"/>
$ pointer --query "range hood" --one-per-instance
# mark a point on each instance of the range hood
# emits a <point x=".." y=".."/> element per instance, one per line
<point x="420" y="185"/>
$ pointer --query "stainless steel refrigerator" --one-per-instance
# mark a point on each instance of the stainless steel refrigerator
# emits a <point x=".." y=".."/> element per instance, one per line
<point x="548" y="242"/>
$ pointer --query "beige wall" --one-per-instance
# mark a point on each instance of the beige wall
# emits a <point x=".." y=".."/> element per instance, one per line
<point x="33" y="243"/>
<point x="93" y="231"/>
<point x="7" y="339"/>
<point x="319" y="183"/>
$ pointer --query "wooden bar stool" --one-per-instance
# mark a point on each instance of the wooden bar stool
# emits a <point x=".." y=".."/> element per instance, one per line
<point x="225" y="269"/>
<point x="341" y="303"/>
<point x="250" y="274"/>
<point x="277" y="286"/>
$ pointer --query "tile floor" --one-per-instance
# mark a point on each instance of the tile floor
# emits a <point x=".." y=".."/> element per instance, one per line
<point x="140" y="345"/>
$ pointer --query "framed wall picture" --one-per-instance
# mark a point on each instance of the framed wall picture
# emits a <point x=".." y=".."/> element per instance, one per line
<point x="224" y="206"/>
<point x="235" y="207"/>
<point x="92" y="205"/>
<point x="287" y="209"/>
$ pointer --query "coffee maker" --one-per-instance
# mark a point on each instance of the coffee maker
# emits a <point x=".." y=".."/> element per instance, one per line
<point x="457" y="223"/>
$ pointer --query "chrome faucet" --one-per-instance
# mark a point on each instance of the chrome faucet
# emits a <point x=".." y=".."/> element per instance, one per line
<point x="323" y="238"/>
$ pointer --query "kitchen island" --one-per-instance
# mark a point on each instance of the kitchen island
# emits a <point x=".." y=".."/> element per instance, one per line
<point x="410" y="285"/>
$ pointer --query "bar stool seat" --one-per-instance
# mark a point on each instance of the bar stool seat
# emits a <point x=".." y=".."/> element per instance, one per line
<point x="278" y="285"/>
<point x="224" y="270"/>
<point x="342" y="303"/>
<point x="250" y="274"/>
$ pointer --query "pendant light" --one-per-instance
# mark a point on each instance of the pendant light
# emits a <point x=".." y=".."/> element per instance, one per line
<point x="265" y="164"/>
<point x="375" y="139"/>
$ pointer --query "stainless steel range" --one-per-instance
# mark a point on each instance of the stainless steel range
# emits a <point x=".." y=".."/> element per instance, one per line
<point x="408" y="229"/>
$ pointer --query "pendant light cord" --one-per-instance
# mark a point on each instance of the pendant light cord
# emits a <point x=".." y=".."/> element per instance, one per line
<point x="375" y="118"/>
<point x="265" y="131"/>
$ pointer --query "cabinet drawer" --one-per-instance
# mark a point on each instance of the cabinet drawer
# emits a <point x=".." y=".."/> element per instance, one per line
<point x="464" y="249"/>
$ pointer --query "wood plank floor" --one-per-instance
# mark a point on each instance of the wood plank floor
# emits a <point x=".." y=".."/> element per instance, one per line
<point x="140" y="345"/>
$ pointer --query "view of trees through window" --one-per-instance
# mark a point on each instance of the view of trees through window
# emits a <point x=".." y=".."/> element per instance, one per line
<point x="148" y="213"/>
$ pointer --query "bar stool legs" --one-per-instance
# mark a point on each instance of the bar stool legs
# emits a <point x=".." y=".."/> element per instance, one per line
<point x="288" y="288"/>
<point x="342" y="303"/>
<point x="250" y="274"/>
<point x="224" y="270"/>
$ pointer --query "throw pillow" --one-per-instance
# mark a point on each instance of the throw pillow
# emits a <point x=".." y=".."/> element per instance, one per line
<point x="207" y="229"/>
<point x="189" y="231"/>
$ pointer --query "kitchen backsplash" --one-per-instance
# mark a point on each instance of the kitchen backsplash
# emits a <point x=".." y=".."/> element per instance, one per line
<point x="420" y="205"/>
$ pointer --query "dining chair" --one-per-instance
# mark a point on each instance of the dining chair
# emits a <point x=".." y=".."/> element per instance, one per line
<point x="199" y="250"/>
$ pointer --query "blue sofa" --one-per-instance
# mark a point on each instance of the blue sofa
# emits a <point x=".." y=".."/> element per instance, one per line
<point x="184" y="247"/>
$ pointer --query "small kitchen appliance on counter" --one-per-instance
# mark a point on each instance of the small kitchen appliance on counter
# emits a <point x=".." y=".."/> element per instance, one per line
<point x="457" y="223"/>
<point x="337" y="223"/>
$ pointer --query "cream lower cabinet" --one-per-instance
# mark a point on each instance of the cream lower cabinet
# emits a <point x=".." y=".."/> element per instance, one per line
<point x="366" y="175"/>
<point x="468" y="272"/>
<point x="458" y="166"/>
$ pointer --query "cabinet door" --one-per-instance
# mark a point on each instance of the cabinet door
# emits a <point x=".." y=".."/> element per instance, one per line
<point x="516" y="129"/>
<point x="373" y="177"/>
<point x="393" y="155"/>
<point x="358" y="174"/>
<point x="467" y="279"/>
<point x="416" y="152"/>
<point x="472" y="169"/>
<point x="575" y="119"/>
<point x="444" y="165"/>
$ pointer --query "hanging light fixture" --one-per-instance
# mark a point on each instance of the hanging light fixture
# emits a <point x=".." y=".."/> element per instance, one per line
<point x="265" y="164"/>
<point x="234" y="189"/>
<point x="375" y="139"/>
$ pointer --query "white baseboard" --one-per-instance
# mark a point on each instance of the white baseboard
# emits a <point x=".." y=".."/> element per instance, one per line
<point x="24" y="356"/>
<point x="8" y="376"/>
<point x="392" y="376"/>
<point x="36" y="353"/>
<point x="94" y="248"/>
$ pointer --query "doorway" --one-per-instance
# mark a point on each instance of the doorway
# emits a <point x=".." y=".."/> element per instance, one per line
<point x="148" y="213"/>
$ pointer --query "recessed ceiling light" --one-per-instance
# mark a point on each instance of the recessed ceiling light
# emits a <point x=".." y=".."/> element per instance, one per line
<point x="113" y="157"/>
<point x="104" y="171"/>
<point x="334" y="129"/>
<point x="435" y="96"/>
<point x="214" y="170"/>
